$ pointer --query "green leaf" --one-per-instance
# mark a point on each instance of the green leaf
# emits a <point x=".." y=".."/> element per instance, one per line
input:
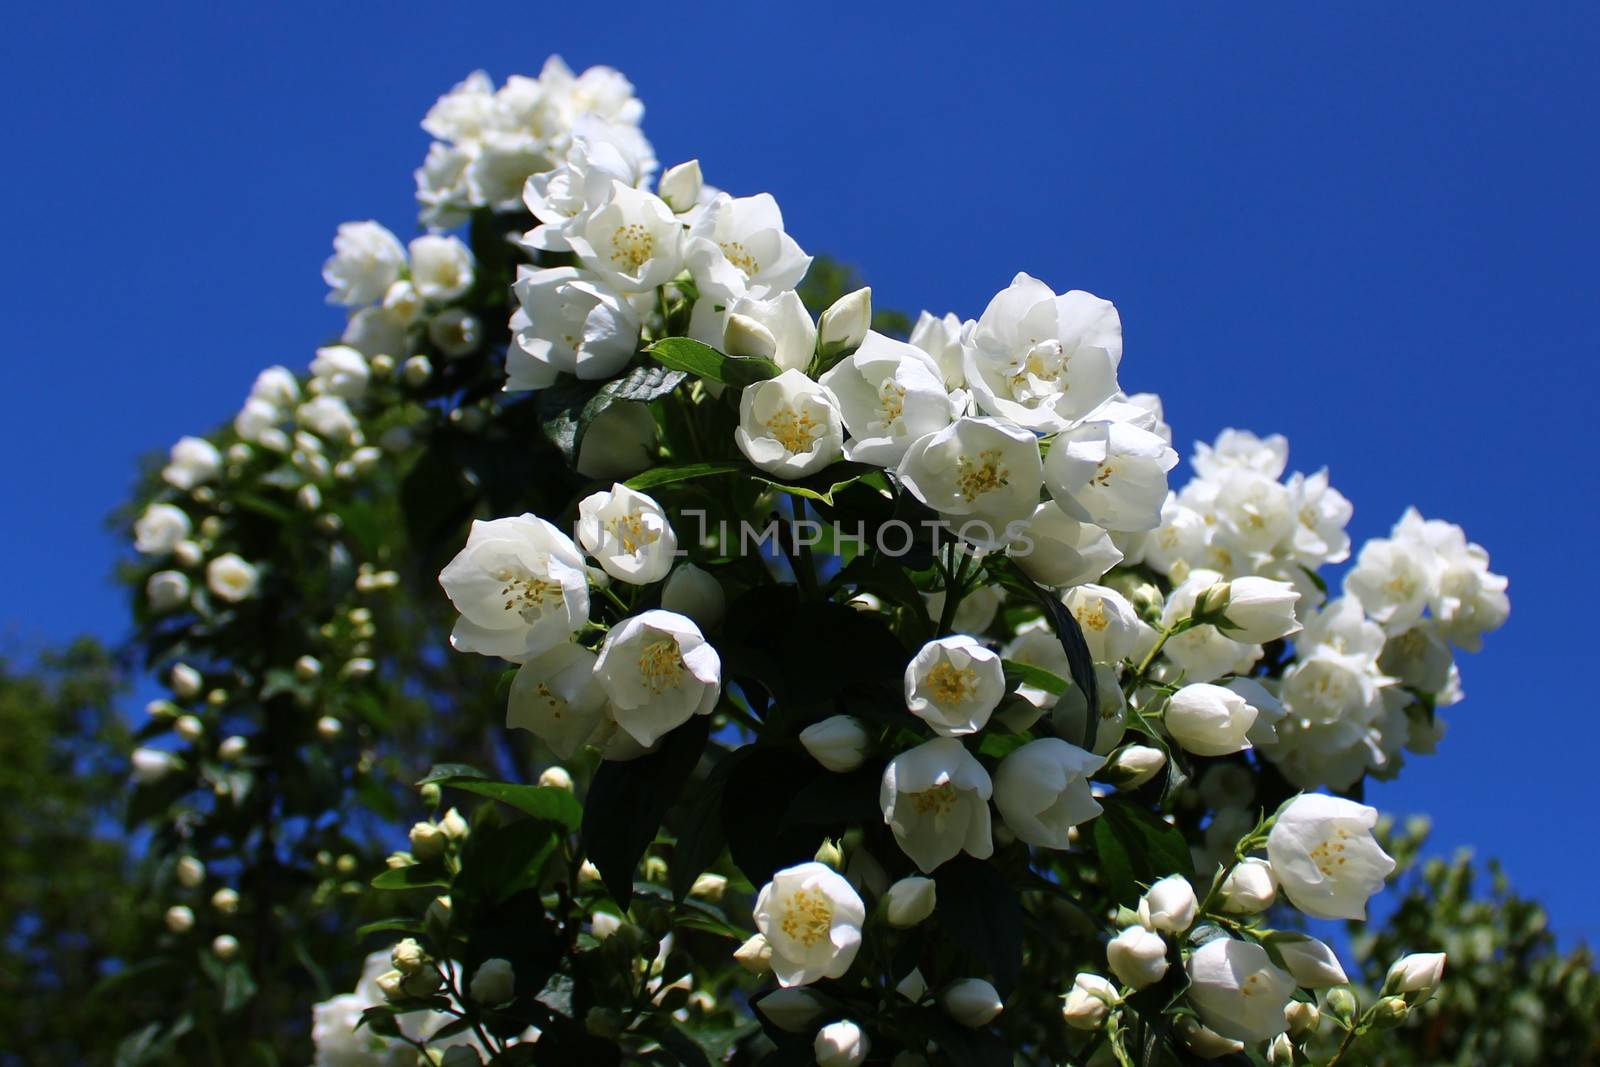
<point x="1070" y="634"/>
<point x="542" y="802"/>
<point x="390" y="926"/>
<point x="980" y="912"/>
<point x="1137" y="848"/>
<point x="417" y="877"/>
<point x="1038" y="677"/>
<point x="703" y="361"/>
<point x="665" y="475"/>
<point x="446" y="771"/>
<point x="820" y="494"/>
<point x="627" y="800"/>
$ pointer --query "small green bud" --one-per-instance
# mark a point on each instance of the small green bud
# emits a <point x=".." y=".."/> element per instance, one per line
<point x="431" y="794"/>
<point x="1341" y="1004"/>
<point x="830" y="854"/>
<point x="1390" y="1013"/>
<point x="1212" y="603"/>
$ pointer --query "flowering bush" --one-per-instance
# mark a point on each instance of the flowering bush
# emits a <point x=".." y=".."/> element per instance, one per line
<point x="915" y="716"/>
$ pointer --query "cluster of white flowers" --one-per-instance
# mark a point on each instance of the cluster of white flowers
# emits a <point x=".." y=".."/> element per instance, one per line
<point x="396" y="294"/>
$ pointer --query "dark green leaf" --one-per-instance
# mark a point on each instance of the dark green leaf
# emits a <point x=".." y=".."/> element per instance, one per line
<point x="1079" y="659"/>
<point x="443" y="772"/>
<point x="664" y="475"/>
<point x="542" y="802"/>
<point x="418" y="877"/>
<point x="980" y="911"/>
<point x="703" y="361"/>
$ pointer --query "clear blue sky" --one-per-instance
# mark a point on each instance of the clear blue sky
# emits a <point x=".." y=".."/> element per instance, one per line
<point x="1372" y="227"/>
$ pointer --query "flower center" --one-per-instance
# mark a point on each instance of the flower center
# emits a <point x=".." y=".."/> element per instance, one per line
<point x="808" y="916"/>
<point x="660" y="664"/>
<point x="1329" y="855"/>
<point x="794" y="430"/>
<point x="891" y="402"/>
<point x="940" y="800"/>
<point x="983" y="475"/>
<point x="1093" y="618"/>
<point x="632" y="531"/>
<point x="739" y="257"/>
<point x="527" y="595"/>
<point x="632" y="246"/>
<point x="951" y="684"/>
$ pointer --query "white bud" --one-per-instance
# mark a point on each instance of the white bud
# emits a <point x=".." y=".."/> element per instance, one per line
<point x="746" y="336"/>
<point x="307" y="668"/>
<point x="1088" y="1002"/>
<point x="1281" y="1052"/>
<point x="232" y="748"/>
<point x="329" y="728"/>
<point x="225" y="900"/>
<point x="844" y="325"/>
<point x="971" y="1002"/>
<point x="1250" y="887"/>
<point x="841" y="1044"/>
<point x="416" y="371"/>
<point x="357" y="669"/>
<point x="1303" y="1018"/>
<point x="1133" y="765"/>
<point x="755" y="955"/>
<point x="680" y="186"/>
<point x="189" y="728"/>
<point x="186" y="682"/>
<point x="494" y="983"/>
<point x="180" y="920"/>
<point x="909" y="901"/>
<point x="408" y="957"/>
<point x="454" y="825"/>
<point x="191" y="872"/>
<point x="1418" y="973"/>
<point x="839" y="743"/>
<point x="1137" y="957"/>
<point x="693" y="592"/>
<point x="427" y="841"/>
<point x="709" y="887"/>
<point x="603" y="924"/>
<point x="308" y="497"/>
<point x="556" y="777"/>
<point x="225" y="946"/>
<point x="1169" y="905"/>
<point x="151" y="765"/>
<point x="1310" y="962"/>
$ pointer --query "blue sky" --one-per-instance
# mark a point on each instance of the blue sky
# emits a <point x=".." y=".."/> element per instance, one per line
<point x="1370" y="228"/>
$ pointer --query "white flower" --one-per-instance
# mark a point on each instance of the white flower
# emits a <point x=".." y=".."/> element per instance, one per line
<point x="1394" y="580"/>
<point x="838" y="743"/>
<point x="366" y="260"/>
<point x="166" y="590"/>
<point x="1111" y="627"/>
<point x="841" y="1044"/>
<point x="257" y="421"/>
<point x="441" y="267"/>
<point x="193" y="461"/>
<point x="493" y="982"/>
<point x="1419" y="972"/>
<point x="455" y="332"/>
<point x="1250" y="887"/>
<point x="620" y="443"/>
<point x="941" y="339"/>
<point x="1269" y="711"/>
<point x="1110" y="473"/>
<point x="658" y="672"/>
<point x="1042" y="790"/>
<point x="971" y="1002"/>
<point x="790" y="1009"/>
<point x="633" y="241"/>
<point x="910" y="901"/>
<point x="230" y="578"/>
<point x="520" y="586"/>
<point x="844" y="325"/>
<point x="812" y="918"/>
<point x="160" y="528"/>
<point x="328" y="416"/>
<point x="789" y="425"/>
<point x="935" y="798"/>
<point x="778" y="328"/>
<point x="983" y="476"/>
<point x="1133" y="765"/>
<point x="1237" y="990"/>
<point x="628" y="533"/>
<point x="1057" y="550"/>
<point x="378" y="331"/>
<point x="954" y="684"/>
<point x="889" y="394"/>
<point x="1137" y="957"/>
<point x="1261" y="610"/>
<point x="1088" y="1002"/>
<point x="276" y="386"/>
<point x="1040" y="360"/>
<point x="1312" y="963"/>
<point x="150" y="765"/>
<point x="601" y="152"/>
<point x="1325" y="856"/>
<point x="693" y="592"/>
<point x="738" y="247"/>
<point x="341" y="370"/>
<point x="680" y="186"/>
<point x="557" y="698"/>
<point x="1169" y="905"/>
<point x="568" y="322"/>
<point x="1209" y="720"/>
<point x="1203" y="653"/>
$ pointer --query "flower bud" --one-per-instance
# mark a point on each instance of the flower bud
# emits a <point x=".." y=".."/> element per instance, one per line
<point x="1303" y="1018"/>
<point x="189" y="728"/>
<point x="839" y="743"/>
<point x="844" y="325"/>
<point x="431" y="794"/>
<point x="152" y="764"/>
<point x="1133" y="765"/>
<point x="829" y="853"/>
<point x="390" y="985"/>
<point x="709" y="887"/>
<point x="971" y="1002"/>
<point x="329" y="728"/>
<point x="1281" y="1052"/>
<point x="693" y="592"/>
<point x="225" y="947"/>
<point x="416" y="371"/>
<point x="588" y="872"/>
<point x="1212" y="602"/>
<point x="232" y="748"/>
<point x="186" y="681"/>
<point x="655" y="869"/>
<point x="493" y="983"/>
<point x="180" y="920"/>
<point x="1088" y="1002"/>
<point x="913" y="986"/>
<point x="909" y="901"/>
<point x="191" y="872"/>
<point x="382" y="364"/>
<point x="556" y="777"/>
<point x="680" y="186"/>
<point x="307" y="668"/>
<point x="1209" y="720"/>
<point x="1137" y="957"/>
<point x="1250" y="887"/>
<point x="408" y="957"/>
<point x="791" y="1009"/>
<point x="1168" y="905"/>
<point x="427" y="841"/>
<point x="755" y="955"/>
<point x="454" y="825"/>
<point x="1415" y="976"/>
<point x="1341" y="1004"/>
<point x="745" y="336"/>
<point x="225" y="900"/>
<point x="841" y="1044"/>
<point x="1261" y="610"/>
<point x="357" y="669"/>
<point x="1202" y="1041"/>
<point x="1390" y="1013"/>
<point x="1310" y="961"/>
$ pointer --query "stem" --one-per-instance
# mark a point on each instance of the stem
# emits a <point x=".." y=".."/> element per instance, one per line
<point x="1344" y="1046"/>
<point x="955" y="588"/>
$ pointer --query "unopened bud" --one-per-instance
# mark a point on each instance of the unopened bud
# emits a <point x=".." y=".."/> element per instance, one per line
<point x="709" y="887"/>
<point x="189" y="728"/>
<point x="232" y="748"/>
<point x="844" y="325"/>
<point x="744" y="336"/>
<point x="186" y="681"/>
<point x="829" y="853"/>
<point x="1212" y="603"/>
<point x="755" y="955"/>
<point x="427" y="841"/>
<point x="1390" y="1013"/>
<point x="431" y="794"/>
<point x="1133" y="765"/>
<point x="680" y="186"/>
<point x="329" y="728"/>
<point x="225" y="900"/>
<point x="307" y="668"/>
<point x="493" y="983"/>
<point x="225" y="946"/>
<point x="1341" y="1004"/>
<point x="408" y="957"/>
<point x="417" y="371"/>
<point x="556" y="778"/>
<point x="180" y="920"/>
<point x="1303" y="1018"/>
<point x="1281" y="1052"/>
<point x="910" y="901"/>
<point x="191" y="872"/>
<point x="971" y="1002"/>
<point x="454" y="825"/>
